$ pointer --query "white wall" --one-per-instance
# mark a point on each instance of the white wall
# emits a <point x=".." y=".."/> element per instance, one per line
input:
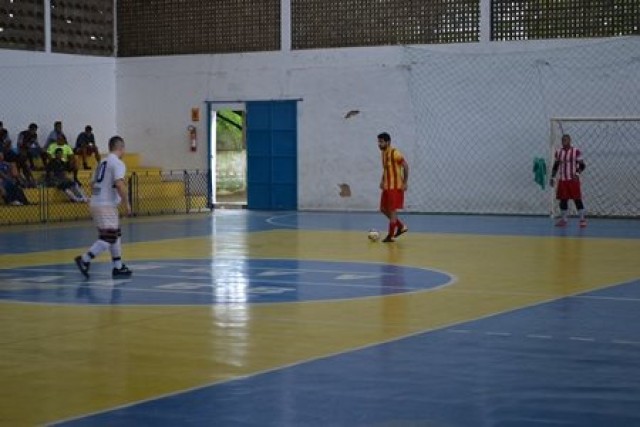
<point x="150" y="100"/>
<point x="485" y="116"/>
<point x="155" y="96"/>
<point x="43" y="87"/>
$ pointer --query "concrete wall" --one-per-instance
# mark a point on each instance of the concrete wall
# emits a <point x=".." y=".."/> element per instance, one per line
<point x="43" y="87"/>
<point x="149" y="101"/>
<point x="155" y="97"/>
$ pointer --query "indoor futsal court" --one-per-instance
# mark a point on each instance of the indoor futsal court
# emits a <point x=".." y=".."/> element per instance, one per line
<point x="249" y="318"/>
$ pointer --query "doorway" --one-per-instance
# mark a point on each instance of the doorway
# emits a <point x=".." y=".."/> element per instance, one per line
<point x="228" y="156"/>
<point x="253" y="154"/>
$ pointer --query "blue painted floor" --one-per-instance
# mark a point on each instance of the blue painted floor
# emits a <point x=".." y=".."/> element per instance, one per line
<point x="465" y="321"/>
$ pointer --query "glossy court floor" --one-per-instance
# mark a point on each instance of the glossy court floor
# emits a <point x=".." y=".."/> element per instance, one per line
<point x="243" y="318"/>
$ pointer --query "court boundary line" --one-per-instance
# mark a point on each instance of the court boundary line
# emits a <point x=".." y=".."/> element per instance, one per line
<point x="314" y="359"/>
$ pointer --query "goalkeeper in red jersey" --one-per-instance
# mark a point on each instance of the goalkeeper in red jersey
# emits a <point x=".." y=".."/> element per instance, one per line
<point x="395" y="177"/>
<point x="568" y="163"/>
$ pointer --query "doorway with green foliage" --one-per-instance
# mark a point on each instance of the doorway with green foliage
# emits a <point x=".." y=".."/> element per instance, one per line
<point x="229" y="157"/>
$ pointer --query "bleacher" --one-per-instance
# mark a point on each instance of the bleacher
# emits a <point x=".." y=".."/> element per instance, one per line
<point x="152" y="192"/>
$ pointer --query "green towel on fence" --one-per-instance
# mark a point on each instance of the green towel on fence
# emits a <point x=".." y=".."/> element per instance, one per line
<point x="540" y="171"/>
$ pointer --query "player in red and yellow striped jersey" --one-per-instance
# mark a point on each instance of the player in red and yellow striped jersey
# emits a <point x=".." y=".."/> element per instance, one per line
<point x="395" y="177"/>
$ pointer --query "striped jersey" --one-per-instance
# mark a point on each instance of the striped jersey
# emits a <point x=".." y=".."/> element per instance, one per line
<point x="568" y="159"/>
<point x="392" y="172"/>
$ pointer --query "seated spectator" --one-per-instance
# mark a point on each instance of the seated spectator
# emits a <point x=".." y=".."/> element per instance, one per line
<point x="6" y="146"/>
<point x="86" y="146"/>
<point x="67" y="156"/>
<point x="25" y="177"/>
<point x="56" y="176"/>
<point x="11" y="191"/>
<point x="29" y="147"/>
<point x="54" y="135"/>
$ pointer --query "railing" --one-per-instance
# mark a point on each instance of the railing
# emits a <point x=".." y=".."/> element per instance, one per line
<point x="150" y="193"/>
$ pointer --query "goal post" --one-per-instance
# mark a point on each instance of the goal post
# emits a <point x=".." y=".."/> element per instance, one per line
<point x="611" y="150"/>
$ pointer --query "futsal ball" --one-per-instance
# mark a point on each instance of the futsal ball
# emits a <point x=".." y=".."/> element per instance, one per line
<point x="373" y="235"/>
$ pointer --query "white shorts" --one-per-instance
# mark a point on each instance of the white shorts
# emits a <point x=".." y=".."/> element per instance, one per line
<point x="105" y="217"/>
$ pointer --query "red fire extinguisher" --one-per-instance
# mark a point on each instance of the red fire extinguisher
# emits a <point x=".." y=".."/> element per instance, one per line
<point x="193" y="137"/>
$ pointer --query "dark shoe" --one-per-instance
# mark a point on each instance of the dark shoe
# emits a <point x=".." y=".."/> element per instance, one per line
<point x="121" y="273"/>
<point x="83" y="266"/>
<point x="401" y="231"/>
<point x="87" y="167"/>
<point x="388" y="239"/>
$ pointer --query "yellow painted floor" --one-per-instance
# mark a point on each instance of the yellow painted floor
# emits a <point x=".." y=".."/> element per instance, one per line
<point x="198" y="314"/>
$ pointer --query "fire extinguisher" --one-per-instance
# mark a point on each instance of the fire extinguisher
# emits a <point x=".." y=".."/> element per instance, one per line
<point x="193" y="137"/>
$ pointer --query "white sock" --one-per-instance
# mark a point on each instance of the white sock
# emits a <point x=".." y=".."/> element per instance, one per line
<point x="116" y="253"/>
<point x="96" y="249"/>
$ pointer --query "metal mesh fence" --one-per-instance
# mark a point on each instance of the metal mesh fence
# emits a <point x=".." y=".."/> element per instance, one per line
<point x="611" y="149"/>
<point x="170" y="192"/>
<point x="482" y="119"/>
<point x="151" y="193"/>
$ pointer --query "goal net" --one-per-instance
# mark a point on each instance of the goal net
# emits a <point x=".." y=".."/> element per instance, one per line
<point x="481" y="118"/>
<point x="611" y="150"/>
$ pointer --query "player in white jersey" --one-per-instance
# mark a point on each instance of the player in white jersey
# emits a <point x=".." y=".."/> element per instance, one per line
<point x="568" y="163"/>
<point x="108" y="191"/>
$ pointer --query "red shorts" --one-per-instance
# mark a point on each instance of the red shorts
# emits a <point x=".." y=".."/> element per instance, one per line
<point x="391" y="200"/>
<point x="568" y="190"/>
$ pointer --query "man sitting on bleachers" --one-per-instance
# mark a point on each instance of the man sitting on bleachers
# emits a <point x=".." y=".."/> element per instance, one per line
<point x="29" y="147"/>
<point x="25" y="176"/>
<point x="56" y="176"/>
<point x="11" y="191"/>
<point x="86" y="146"/>
<point x="67" y="156"/>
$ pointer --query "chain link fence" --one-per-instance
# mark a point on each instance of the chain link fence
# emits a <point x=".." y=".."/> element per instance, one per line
<point x="151" y="193"/>
<point x="482" y="118"/>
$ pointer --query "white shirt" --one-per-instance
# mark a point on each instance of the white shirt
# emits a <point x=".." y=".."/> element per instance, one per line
<point x="104" y="191"/>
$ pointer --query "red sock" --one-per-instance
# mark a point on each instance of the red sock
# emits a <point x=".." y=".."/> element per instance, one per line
<point x="392" y="228"/>
<point x="399" y="224"/>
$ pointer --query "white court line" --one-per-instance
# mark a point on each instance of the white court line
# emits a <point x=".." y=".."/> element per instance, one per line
<point x="225" y="281"/>
<point x="537" y="336"/>
<point x="582" y="339"/>
<point x="541" y="336"/>
<point x="499" y="334"/>
<point x="301" y="362"/>
<point x="625" y="342"/>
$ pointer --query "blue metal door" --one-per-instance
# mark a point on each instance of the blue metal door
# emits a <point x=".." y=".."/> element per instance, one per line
<point x="272" y="155"/>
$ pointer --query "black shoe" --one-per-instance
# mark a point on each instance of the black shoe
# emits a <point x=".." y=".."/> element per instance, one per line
<point x="121" y="272"/>
<point x="388" y="239"/>
<point x="401" y="231"/>
<point x="83" y="266"/>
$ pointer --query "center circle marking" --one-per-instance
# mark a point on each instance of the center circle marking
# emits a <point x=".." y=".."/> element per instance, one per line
<point x="216" y="281"/>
